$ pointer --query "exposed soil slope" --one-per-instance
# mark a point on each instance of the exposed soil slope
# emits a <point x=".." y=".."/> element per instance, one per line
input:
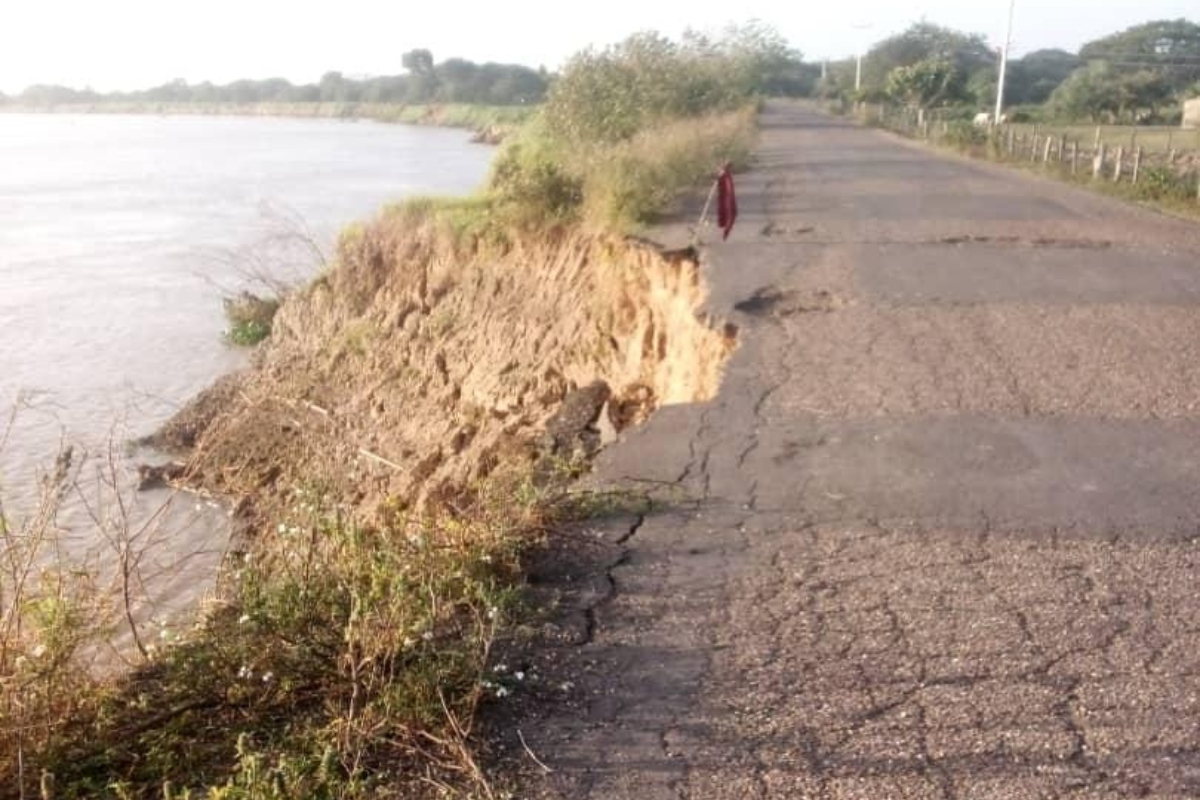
<point x="420" y="363"/>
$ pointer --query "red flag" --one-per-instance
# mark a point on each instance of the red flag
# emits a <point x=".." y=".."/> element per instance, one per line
<point x="726" y="201"/>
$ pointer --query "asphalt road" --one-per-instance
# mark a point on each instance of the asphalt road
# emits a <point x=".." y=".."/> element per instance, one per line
<point x="939" y="534"/>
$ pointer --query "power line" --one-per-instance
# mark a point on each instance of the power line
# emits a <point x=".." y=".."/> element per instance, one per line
<point x="1152" y="65"/>
<point x="1163" y="59"/>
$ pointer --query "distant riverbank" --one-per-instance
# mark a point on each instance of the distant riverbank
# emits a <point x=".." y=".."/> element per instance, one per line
<point x="490" y="123"/>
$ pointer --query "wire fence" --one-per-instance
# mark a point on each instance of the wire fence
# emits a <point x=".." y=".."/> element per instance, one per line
<point x="1160" y="162"/>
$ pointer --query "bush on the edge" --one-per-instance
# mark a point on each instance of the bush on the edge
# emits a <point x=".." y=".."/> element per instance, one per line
<point x="250" y="318"/>
<point x="609" y="95"/>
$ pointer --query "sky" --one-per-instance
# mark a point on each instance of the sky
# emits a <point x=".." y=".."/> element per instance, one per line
<point x="134" y="44"/>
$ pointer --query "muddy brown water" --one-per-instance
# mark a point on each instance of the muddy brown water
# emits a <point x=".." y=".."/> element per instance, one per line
<point x="118" y="237"/>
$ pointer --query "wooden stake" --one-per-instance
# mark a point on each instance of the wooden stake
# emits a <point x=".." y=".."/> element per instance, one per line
<point x="1120" y="163"/>
<point x="1075" y="157"/>
<point x="1098" y="160"/>
<point x="1046" y="150"/>
<point x="1137" y="164"/>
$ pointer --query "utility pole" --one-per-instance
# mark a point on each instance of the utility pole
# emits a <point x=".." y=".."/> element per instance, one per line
<point x="862" y="26"/>
<point x="1012" y="4"/>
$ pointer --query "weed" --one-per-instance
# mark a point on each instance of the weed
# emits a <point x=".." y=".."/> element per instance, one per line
<point x="250" y="318"/>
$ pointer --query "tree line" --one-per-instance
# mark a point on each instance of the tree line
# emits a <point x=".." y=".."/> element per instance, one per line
<point x="454" y="80"/>
<point x="1138" y="75"/>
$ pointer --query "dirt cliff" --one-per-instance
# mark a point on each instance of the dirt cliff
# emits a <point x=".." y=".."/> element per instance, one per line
<point x="424" y="359"/>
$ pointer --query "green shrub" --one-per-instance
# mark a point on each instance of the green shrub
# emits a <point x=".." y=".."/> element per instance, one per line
<point x="965" y="135"/>
<point x="1164" y="183"/>
<point x="250" y="318"/>
<point x="534" y="183"/>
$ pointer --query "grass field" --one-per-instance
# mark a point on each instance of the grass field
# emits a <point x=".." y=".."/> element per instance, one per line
<point x="1151" y="137"/>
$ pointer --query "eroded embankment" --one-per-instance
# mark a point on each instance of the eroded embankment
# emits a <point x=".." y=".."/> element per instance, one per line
<point x="419" y="364"/>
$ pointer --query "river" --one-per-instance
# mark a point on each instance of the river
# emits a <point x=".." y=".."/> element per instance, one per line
<point x="119" y="235"/>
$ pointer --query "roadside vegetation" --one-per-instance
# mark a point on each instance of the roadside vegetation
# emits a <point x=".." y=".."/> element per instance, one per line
<point x="1138" y="76"/>
<point x="346" y="654"/>
<point x="1107" y="117"/>
<point x="626" y="129"/>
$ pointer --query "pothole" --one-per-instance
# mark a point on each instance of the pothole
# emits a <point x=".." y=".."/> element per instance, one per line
<point x="775" y="302"/>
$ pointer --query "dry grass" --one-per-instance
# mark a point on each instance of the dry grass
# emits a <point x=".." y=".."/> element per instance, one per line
<point x="615" y="186"/>
<point x="631" y="183"/>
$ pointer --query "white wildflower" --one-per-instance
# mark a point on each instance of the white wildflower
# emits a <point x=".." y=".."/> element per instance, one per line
<point x="243" y="619"/>
<point x="268" y="677"/>
<point x="427" y="636"/>
<point x="245" y="672"/>
<point x="502" y="691"/>
<point x="500" y="669"/>
<point x="38" y="651"/>
<point x="519" y="676"/>
<point x="409" y="641"/>
<point x="282" y="528"/>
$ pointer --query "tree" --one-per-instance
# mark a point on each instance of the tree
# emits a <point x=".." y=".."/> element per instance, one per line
<point x="333" y="88"/>
<point x="922" y="85"/>
<point x="967" y="53"/>
<point x="418" y="62"/>
<point x="1090" y="92"/>
<point x="1101" y="91"/>
<point x="1033" y="78"/>
<point x="1170" y="48"/>
<point x="766" y="63"/>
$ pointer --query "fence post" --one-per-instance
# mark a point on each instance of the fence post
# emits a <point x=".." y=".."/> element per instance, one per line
<point x="1033" y="148"/>
<point x="1046" y="150"/>
<point x="1096" y="144"/>
<point x="1137" y="164"/>
<point x="1098" y="160"/>
<point x="1171" y="157"/>
<point x="1120" y="163"/>
<point x="1062" y="147"/>
<point x="1010" y="137"/>
<point x="1075" y="157"/>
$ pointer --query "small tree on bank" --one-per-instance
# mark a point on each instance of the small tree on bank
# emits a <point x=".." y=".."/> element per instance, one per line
<point x="922" y="85"/>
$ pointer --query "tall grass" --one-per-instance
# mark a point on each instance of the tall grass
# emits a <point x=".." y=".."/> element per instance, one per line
<point x="342" y="661"/>
<point x="637" y="180"/>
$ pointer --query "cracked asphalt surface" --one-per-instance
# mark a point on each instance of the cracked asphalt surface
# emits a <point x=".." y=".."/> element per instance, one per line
<point x="939" y="534"/>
